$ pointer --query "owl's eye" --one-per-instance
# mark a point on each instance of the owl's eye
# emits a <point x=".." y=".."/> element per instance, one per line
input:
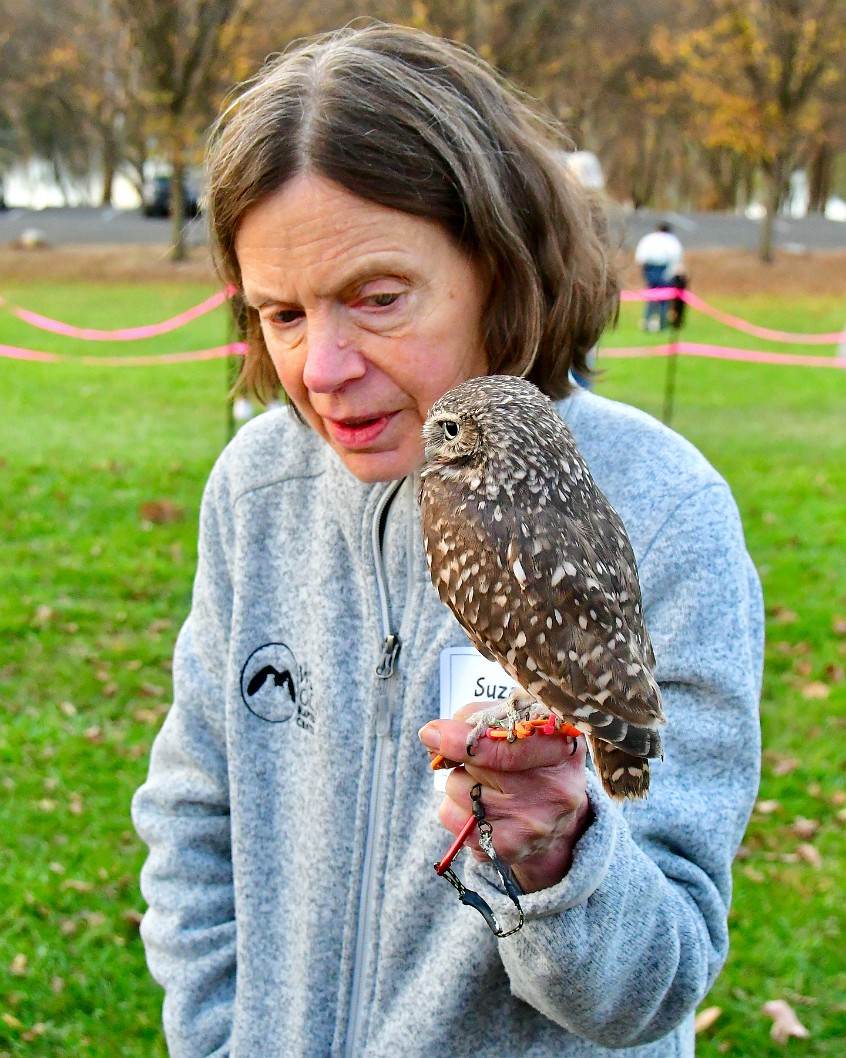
<point x="451" y="429"/>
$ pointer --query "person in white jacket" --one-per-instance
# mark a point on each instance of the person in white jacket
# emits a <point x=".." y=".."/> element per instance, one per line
<point x="395" y="223"/>
<point x="660" y="255"/>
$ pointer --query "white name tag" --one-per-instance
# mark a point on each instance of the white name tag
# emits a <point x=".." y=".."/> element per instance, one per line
<point x="468" y="677"/>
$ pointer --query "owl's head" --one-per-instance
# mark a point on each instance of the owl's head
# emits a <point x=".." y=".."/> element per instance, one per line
<point x="451" y="435"/>
<point x="483" y="421"/>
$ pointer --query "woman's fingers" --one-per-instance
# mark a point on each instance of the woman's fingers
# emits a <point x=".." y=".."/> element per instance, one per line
<point x="449" y="738"/>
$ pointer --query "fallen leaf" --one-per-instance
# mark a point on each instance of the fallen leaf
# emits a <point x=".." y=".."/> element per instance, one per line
<point x="12" y="1021"/>
<point x="706" y="1018"/>
<point x="838" y="624"/>
<point x="803" y="667"/>
<point x="43" y="615"/>
<point x="816" y="689"/>
<point x="133" y="917"/>
<point x="151" y="690"/>
<point x="838" y="797"/>
<point x="148" y="716"/>
<point x="804" y="828"/>
<point x="93" y="734"/>
<point x="46" y="804"/>
<point x="834" y="672"/>
<point x="785" y="1022"/>
<point x="785" y="765"/>
<point x="77" y="885"/>
<point x="814" y="789"/>
<point x="161" y="512"/>
<point x="68" y="708"/>
<point x="809" y="854"/>
<point x="783" y="616"/>
<point x="753" y="875"/>
<point x="19" y="965"/>
<point x="841" y="815"/>
<point x="57" y="984"/>
<point x="766" y="808"/>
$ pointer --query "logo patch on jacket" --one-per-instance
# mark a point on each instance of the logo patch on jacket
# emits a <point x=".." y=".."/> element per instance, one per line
<point x="275" y="688"/>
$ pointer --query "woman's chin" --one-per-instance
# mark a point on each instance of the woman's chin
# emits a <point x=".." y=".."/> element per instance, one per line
<point x="371" y="466"/>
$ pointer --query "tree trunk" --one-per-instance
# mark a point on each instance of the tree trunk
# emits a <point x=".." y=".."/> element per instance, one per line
<point x="110" y="158"/>
<point x="774" y="193"/>
<point x="819" y="177"/>
<point x="179" y="250"/>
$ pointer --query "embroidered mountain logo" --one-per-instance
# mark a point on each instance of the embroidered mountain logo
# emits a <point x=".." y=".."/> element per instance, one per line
<point x="275" y="688"/>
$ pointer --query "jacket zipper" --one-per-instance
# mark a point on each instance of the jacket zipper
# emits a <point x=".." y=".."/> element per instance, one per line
<point x="385" y="669"/>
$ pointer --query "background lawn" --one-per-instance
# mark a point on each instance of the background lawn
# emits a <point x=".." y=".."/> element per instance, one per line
<point x="101" y="473"/>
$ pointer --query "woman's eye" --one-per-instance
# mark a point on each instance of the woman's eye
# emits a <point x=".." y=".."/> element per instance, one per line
<point x="382" y="301"/>
<point x="451" y="430"/>
<point x="284" y="317"/>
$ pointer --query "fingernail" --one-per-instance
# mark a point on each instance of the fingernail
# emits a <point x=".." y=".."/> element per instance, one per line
<point x="430" y="736"/>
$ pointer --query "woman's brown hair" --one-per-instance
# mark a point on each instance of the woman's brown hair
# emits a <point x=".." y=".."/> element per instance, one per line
<point x="422" y="125"/>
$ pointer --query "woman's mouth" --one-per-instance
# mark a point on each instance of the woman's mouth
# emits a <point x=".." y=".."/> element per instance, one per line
<point x="357" y="432"/>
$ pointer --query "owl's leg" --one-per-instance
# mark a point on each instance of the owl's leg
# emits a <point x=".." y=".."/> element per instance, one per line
<point x="517" y="708"/>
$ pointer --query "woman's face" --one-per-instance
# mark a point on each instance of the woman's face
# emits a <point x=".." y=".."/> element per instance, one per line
<point x="369" y="315"/>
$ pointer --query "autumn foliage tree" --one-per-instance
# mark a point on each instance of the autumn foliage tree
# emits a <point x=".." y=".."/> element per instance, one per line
<point x="688" y="103"/>
<point x="756" y="79"/>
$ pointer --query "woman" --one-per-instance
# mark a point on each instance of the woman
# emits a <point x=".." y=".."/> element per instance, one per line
<point x="396" y="225"/>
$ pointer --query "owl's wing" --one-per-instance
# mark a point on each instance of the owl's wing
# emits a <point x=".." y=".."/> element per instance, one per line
<point x="577" y="639"/>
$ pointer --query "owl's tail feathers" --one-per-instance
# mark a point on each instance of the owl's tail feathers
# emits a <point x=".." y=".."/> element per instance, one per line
<point x="623" y="776"/>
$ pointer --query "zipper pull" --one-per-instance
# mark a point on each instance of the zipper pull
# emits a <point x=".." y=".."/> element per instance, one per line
<point x="390" y="653"/>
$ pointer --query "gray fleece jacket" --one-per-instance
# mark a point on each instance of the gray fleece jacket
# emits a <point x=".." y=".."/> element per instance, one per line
<point x="290" y="813"/>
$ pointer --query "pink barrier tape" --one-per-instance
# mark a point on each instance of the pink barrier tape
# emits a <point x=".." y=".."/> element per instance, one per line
<point x="695" y="302"/>
<point x="655" y="294"/>
<point x="721" y="352"/>
<point x="125" y="334"/>
<point x="11" y="352"/>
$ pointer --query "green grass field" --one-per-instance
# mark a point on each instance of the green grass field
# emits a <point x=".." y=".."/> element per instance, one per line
<point x="95" y="585"/>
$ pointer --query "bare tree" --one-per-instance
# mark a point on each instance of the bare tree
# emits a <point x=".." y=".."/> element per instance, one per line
<point x="185" y="50"/>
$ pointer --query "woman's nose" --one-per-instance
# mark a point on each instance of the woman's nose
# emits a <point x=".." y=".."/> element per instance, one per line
<point x="332" y="358"/>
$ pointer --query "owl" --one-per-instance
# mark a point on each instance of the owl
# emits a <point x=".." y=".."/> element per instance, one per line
<point x="536" y="566"/>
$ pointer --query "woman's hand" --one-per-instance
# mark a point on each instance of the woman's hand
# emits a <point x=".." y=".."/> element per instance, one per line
<point x="533" y="792"/>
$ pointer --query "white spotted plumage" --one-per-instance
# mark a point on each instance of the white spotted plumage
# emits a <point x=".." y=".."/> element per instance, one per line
<point x="537" y="567"/>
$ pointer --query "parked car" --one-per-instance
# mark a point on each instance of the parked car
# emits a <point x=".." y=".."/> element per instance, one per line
<point x="155" y="198"/>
